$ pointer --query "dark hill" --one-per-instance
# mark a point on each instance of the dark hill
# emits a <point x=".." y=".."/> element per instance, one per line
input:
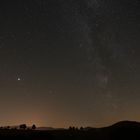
<point x="128" y="124"/>
<point x="122" y="130"/>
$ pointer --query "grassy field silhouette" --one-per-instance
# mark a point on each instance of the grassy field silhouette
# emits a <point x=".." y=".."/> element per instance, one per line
<point x="121" y="130"/>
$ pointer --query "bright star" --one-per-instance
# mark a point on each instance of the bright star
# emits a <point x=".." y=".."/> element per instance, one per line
<point x="19" y="79"/>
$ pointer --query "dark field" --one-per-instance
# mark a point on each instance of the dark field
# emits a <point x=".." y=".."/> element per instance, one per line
<point x="118" y="131"/>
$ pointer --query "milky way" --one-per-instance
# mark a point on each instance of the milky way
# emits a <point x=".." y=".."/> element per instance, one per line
<point x="69" y="62"/>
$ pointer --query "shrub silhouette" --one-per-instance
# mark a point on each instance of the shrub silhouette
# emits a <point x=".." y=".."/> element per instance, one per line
<point x="33" y="127"/>
<point x="23" y="126"/>
<point x="81" y="128"/>
<point x="70" y="128"/>
<point x="8" y="127"/>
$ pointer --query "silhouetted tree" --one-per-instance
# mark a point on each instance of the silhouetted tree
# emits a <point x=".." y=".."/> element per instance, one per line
<point x="70" y="128"/>
<point x="1" y="127"/>
<point x="15" y="128"/>
<point x="33" y="127"/>
<point x="8" y="127"/>
<point x="73" y="128"/>
<point x="76" y="128"/>
<point x="81" y="128"/>
<point x="23" y="126"/>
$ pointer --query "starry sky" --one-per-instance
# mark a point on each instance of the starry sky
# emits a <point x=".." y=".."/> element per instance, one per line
<point x="73" y="62"/>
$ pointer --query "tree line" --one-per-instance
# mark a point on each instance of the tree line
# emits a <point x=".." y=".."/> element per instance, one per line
<point x="21" y="127"/>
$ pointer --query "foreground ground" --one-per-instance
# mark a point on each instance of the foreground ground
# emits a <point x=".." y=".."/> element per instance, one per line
<point x="119" y="131"/>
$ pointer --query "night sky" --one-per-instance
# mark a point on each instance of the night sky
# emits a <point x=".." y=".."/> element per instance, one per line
<point x="69" y="62"/>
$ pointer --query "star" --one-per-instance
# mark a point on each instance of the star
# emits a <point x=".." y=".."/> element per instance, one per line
<point x="19" y="79"/>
